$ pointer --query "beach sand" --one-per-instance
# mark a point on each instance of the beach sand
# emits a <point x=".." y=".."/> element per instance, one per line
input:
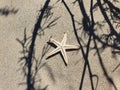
<point x="53" y="74"/>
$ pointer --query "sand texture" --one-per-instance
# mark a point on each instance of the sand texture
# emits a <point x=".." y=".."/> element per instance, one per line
<point x="91" y="67"/>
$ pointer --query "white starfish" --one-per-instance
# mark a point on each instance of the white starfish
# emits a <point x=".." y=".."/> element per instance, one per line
<point x="62" y="47"/>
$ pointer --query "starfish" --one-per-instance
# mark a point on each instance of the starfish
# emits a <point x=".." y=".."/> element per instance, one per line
<point x="62" y="47"/>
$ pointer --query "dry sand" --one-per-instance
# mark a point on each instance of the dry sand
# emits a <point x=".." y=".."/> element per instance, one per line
<point x="54" y="73"/>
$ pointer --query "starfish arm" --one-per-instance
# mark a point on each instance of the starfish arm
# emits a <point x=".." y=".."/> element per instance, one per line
<point x="61" y="47"/>
<point x="64" y="55"/>
<point x="53" y="52"/>
<point x="55" y="42"/>
<point x="71" y="46"/>
<point x="64" y="39"/>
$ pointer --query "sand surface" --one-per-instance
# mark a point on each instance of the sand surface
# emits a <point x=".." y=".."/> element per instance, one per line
<point x="53" y="72"/>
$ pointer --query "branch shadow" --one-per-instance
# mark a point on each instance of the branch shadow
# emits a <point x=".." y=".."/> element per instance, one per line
<point x="5" y="11"/>
<point x="85" y="55"/>
<point x="28" y="43"/>
<point x="28" y="48"/>
<point x="88" y="28"/>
